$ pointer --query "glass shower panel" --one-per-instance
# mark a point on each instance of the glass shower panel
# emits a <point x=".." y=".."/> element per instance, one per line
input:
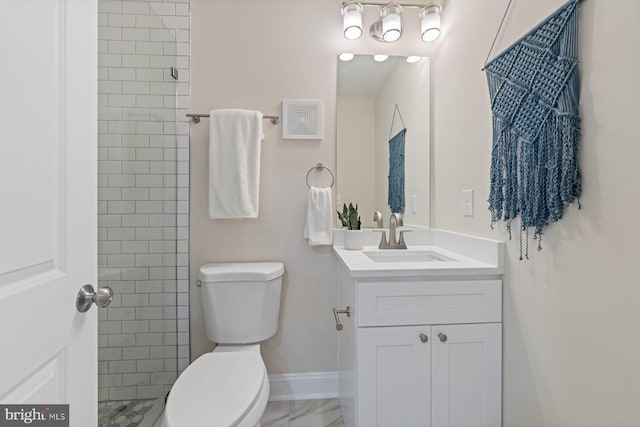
<point x="137" y="213"/>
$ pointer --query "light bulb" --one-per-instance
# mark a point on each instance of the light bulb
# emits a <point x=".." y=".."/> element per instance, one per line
<point x="352" y="20"/>
<point x="391" y="22"/>
<point x="430" y="23"/>
<point x="345" y="56"/>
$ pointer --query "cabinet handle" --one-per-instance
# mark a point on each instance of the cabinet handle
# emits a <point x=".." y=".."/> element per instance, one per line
<point x="347" y="311"/>
<point x="442" y="337"/>
<point x="424" y="338"/>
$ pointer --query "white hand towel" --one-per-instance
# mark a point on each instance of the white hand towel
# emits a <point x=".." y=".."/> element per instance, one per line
<point x="234" y="163"/>
<point x="318" y="226"/>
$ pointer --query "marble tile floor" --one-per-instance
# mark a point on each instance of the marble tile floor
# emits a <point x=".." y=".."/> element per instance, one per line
<point x="303" y="413"/>
<point x="128" y="413"/>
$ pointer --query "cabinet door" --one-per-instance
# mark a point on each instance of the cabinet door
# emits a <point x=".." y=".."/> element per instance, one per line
<point x="467" y="375"/>
<point x="394" y="376"/>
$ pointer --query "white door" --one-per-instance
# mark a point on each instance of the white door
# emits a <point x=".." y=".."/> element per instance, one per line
<point x="466" y="375"/>
<point x="48" y="132"/>
<point x="394" y="366"/>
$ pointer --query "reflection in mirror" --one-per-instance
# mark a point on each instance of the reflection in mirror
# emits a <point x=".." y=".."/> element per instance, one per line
<point x="368" y="93"/>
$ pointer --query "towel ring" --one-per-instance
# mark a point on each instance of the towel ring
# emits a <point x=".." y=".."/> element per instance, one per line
<point x="321" y="166"/>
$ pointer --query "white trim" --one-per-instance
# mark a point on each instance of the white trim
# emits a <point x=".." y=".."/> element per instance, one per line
<point x="304" y="386"/>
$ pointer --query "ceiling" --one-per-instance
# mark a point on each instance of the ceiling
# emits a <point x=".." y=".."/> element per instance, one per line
<point x="362" y="76"/>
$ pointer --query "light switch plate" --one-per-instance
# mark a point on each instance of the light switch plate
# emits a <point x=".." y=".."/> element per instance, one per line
<point x="467" y="202"/>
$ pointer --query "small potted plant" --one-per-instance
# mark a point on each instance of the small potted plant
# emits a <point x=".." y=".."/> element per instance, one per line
<point x="351" y="221"/>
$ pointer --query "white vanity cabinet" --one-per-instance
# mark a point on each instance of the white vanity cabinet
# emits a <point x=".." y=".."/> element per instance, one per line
<point x="421" y="351"/>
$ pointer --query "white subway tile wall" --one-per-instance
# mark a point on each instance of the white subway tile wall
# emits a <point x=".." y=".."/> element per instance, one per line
<point x="143" y="207"/>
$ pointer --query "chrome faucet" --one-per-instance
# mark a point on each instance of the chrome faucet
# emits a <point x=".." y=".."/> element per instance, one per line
<point x="394" y="221"/>
<point x="393" y="243"/>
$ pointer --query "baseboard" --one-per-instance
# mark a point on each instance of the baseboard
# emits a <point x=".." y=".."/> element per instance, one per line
<point x="303" y="386"/>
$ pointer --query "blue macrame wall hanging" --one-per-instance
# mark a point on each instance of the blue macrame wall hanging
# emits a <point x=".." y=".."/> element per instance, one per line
<point x="395" y="197"/>
<point x="535" y="91"/>
<point x="396" y="172"/>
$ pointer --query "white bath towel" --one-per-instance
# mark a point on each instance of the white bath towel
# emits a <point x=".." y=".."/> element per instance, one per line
<point x="318" y="226"/>
<point x="234" y="163"/>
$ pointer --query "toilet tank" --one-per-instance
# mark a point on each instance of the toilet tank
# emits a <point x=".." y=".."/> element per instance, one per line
<point x="241" y="301"/>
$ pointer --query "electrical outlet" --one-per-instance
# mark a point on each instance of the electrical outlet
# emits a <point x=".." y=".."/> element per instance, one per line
<point x="467" y="202"/>
<point x="413" y="203"/>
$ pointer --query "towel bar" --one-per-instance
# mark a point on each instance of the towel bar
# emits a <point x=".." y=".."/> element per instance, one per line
<point x="196" y="118"/>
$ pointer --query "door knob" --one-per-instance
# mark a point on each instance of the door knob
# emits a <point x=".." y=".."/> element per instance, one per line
<point x="424" y="338"/>
<point x="87" y="296"/>
<point x="442" y="337"/>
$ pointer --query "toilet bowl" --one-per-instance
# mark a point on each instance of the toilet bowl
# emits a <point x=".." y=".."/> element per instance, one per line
<point x="222" y="388"/>
<point x="230" y="386"/>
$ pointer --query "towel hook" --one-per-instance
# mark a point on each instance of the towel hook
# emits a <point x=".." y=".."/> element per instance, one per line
<point x="320" y="166"/>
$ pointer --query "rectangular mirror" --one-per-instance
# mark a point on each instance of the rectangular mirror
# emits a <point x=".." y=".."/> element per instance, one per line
<point x="368" y="92"/>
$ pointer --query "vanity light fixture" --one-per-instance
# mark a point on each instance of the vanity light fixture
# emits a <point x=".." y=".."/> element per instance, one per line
<point x="388" y="27"/>
<point x="430" y="22"/>
<point x="412" y="59"/>
<point x="380" y="58"/>
<point x="352" y="19"/>
<point x="345" y="56"/>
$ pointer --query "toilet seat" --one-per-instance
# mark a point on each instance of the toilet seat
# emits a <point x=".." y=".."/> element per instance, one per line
<point x="219" y="390"/>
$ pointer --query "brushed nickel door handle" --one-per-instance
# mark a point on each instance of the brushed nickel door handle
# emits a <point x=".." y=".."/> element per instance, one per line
<point x="88" y="296"/>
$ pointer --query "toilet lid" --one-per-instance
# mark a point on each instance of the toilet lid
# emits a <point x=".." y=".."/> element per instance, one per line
<point x="218" y="389"/>
<point x="240" y="272"/>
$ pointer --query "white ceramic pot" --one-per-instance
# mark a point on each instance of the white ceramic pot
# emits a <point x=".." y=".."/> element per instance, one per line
<point x="353" y="239"/>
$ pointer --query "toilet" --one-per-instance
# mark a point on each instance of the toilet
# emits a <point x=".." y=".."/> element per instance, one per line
<point x="230" y="386"/>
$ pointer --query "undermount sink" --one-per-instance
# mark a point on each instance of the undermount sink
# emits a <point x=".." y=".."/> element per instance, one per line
<point x="408" y="255"/>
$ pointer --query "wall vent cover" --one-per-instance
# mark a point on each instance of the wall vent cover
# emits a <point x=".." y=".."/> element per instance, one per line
<point x="302" y="119"/>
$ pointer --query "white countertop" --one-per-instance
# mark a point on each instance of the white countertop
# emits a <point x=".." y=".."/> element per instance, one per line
<point x="463" y="256"/>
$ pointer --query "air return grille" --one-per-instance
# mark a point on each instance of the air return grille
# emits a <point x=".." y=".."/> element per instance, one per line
<point x="302" y="119"/>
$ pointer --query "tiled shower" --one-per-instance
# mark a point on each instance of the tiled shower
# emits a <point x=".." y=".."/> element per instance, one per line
<point x="143" y="167"/>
